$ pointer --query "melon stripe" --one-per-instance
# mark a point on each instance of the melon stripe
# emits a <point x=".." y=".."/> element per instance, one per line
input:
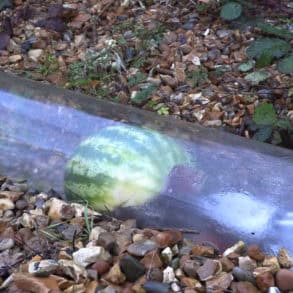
<point x="142" y="147"/>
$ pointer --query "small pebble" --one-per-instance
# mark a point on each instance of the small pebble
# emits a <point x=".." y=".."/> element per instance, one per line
<point x="156" y="287"/>
<point x="131" y="268"/>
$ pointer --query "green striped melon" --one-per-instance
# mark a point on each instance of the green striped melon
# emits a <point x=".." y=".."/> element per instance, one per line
<point x="122" y="165"/>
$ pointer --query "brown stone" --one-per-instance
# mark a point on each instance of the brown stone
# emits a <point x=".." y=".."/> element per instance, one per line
<point x="107" y="240"/>
<point x="169" y="80"/>
<point x="284" y="279"/>
<point x="91" y="287"/>
<point x="227" y="264"/>
<point x="255" y="253"/>
<point x="265" y="281"/>
<point x="115" y="275"/>
<point x="12" y="195"/>
<point x="45" y="285"/>
<point x="272" y="263"/>
<point x="208" y="269"/>
<point x="152" y="260"/>
<point x="243" y="287"/>
<point x="155" y="274"/>
<point x="200" y="250"/>
<point x="168" y="238"/>
<point x="190" y="267"/>
<point x="220" y="282"/>
<point x="101" y="266"/>
<point x="191" y="283"/>
<point x="246" y="263"/>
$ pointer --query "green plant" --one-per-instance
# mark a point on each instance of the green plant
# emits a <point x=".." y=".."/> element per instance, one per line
<point x="276" y="47"/>
<point x="95" y="69"/>
<point x="89" y="221"/>
<point x="142" y="40"/>
<point x="164" y="110"/>
<point x="275" y="31"/>
<point x="136" y="79"/>
<point x="266" y="125"/>
<point x="198" y="77"/>
<point x="49" y="65"/>
<point x="142" y="96"/>
<point x="256" y="77"/>
<point x="265" y="50"/>
<point x="50" y="231"/>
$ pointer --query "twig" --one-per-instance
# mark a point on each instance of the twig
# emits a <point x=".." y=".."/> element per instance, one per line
<point x="105" y="8"/>
<point x="183" y="230"/>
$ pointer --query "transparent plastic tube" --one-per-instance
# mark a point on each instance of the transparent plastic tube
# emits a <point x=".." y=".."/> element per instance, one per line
<point x="236" y="189"/>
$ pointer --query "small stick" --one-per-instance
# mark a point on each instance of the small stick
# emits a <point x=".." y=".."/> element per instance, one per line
<point x="183" y="230"/>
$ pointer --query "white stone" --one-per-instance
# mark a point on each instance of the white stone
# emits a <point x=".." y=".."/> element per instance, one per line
<point x="26" y="220"/>
<point x="6" y="204"/>
<point x="6" y="243"/>
<point x="175" y="249"/>
<point x="179" y="273"/>
<point x="95" y="233"/>
<point x="169" y="275"/>
<point x="14" y="58"/>
<point x="167" y="254"/>
<point x="35" y="54"/>
<point x="175" y="287"/>
<point x="246" y="263"/>
<point x="213" y="123"/>
<point x="85" y="256"/>
<point x="78" y="40"/>
<point x="237" y="247"/>
<point x="59" y="209"/>
<point x="72" y="270"/>
<point x="43" y="267"/>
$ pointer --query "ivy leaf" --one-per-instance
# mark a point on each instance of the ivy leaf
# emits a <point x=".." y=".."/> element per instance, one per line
<point x="286" y="65"/>
<point x="284" y="124"/>
<point x="256" y="77"/>
<point x="276" y="139"/>
<point x="265" y="115"/>
<point x="244" y="67"/>
<point x="264" y="59"/>
<point x="231" y="11"/>
<point x="263" y="134"/>
<point x="276" y="47"/>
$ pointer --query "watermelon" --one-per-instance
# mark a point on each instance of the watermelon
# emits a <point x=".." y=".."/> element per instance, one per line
<point x="121" y="165"/>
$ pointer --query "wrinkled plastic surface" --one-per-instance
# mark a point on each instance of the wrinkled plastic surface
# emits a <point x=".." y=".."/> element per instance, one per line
<point x="240" y="189"/>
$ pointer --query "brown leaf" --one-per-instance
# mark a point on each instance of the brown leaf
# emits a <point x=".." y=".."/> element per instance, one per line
<point x="45" y="285"/>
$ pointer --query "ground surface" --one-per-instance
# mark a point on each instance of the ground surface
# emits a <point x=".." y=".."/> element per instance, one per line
<point x="176" y="58"/>
<point x="49" y="246"/>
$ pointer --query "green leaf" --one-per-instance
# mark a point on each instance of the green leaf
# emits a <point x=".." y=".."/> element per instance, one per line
<point x="265" y="115"/>
<point x="264" y="59"/>
<point x="256" y="77"/>
<point x="284" y="124"/>
<point x="244" y="67"/>
<point x="231" y="11"/>
<point x="272" y="30"/>
<point x="276" y="139"/>
<point x="141" y="97"/>
<point x="263" y="134"/>
<point x="276" y="47"/>
<point x="286" y="65"/>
